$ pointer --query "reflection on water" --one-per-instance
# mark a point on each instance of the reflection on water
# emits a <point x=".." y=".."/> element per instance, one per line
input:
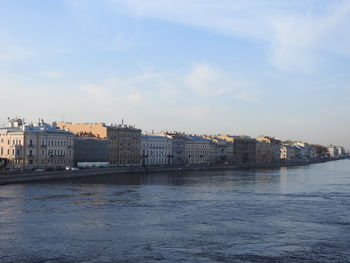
<point x="298" y="214"/>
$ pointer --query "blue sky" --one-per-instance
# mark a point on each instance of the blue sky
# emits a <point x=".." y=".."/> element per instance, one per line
<point x="278" y="68"/>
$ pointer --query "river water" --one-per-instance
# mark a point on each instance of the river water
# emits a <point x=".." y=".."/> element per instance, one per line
<point x="299" y="214"/>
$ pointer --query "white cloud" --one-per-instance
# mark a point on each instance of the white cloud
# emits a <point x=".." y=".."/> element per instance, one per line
<point x="208" y="81"/>
<point x="202" y="86"/>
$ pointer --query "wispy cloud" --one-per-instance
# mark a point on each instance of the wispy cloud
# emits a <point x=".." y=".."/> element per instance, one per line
<point x="298" y="33"/>
<point x="207" y="81"/>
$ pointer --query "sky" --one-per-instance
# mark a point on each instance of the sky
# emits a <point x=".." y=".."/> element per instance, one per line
<point x="258" y="67"/>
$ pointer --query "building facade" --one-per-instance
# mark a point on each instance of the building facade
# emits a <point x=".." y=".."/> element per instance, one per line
<point x="90" y="150"/>
<point x="222" y="151"/>
<point x="264" y="152"/>
<point x="198" y="150"/>
<point x="178" y="140"/>
<point x="124" y="142"/>
<point x="287" y="153"/>
<point x="156" y="150"/>
<point x="36" y="145"/>
<point x="244" y="148"/>
<point x="275" y="145"/>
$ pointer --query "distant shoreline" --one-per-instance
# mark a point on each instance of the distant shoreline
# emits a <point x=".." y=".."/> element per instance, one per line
<point x="33" y="176"/>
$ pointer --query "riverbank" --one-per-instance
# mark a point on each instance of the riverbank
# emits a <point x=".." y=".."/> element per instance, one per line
<point x="35" y="176"/>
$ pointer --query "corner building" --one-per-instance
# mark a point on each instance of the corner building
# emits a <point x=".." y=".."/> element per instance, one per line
<point x="124" y="142"/>
<point x="39" y="145"/>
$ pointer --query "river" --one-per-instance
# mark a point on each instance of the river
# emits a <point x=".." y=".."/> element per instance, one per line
<point x="296" y="214"/>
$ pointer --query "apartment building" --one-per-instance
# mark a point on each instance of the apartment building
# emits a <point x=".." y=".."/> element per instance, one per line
<point x="287" y="153"/>
<point x="90" y="150"/>
<point x="156" y="150"/>
<point x="244" y="148"/>
<point x="223" y="152"/>
<point x="198" y="150"/>
<point x="35" y="145"/>
<point x="124" y="141"/>
<point x="178" y="140"/>
<point x="264" y="152"/>
<point x="275" y="146"/>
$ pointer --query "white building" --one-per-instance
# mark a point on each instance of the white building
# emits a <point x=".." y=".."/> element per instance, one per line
<point x="287" y="153"/>
<point x="156" y="150"/>
<point x="35" y="146"/>
<point x="336" y="151"/>
<point x="333" y="151"/>
<point x="309" y="152"/>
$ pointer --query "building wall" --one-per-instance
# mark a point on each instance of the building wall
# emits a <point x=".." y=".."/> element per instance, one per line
<point x="264" y="152"/>
<point x="124" y="143"/>
<point x="275" y="145"/>
<point x="97" y="129"/>
<point x="36" y="147"/>
<point x="90" y="150"/>
<point x="244" y="150"/>
<point x="156" y="150"/>
<point x="11" y="147"/>
<point x="287" y="153"/>
<point x="197" y="150"/>
<point x="178" y="146"/>
<point x="222" y="151"/>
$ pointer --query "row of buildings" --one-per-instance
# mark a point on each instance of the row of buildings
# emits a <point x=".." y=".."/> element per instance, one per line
<point x="62" y="144"/>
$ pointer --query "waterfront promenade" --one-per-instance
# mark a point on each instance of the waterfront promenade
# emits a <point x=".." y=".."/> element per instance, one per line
<point x="11" y="177"/>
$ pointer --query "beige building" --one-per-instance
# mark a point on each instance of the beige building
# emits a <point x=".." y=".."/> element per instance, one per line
<point x="124" y="142"/>
<point x="198" y="150"/>
<point x="223" y="150"/>
<point x="35" y="145"/>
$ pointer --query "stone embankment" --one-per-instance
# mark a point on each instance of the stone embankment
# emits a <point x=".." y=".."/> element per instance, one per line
<point x="11" y="177"/>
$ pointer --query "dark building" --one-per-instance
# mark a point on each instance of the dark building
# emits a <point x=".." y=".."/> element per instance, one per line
<point x="89" y="149"/>
<point x="244" y="150"/>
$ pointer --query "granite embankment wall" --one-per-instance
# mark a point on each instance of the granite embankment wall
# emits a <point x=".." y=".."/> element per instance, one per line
<point x="7" y="177"/>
